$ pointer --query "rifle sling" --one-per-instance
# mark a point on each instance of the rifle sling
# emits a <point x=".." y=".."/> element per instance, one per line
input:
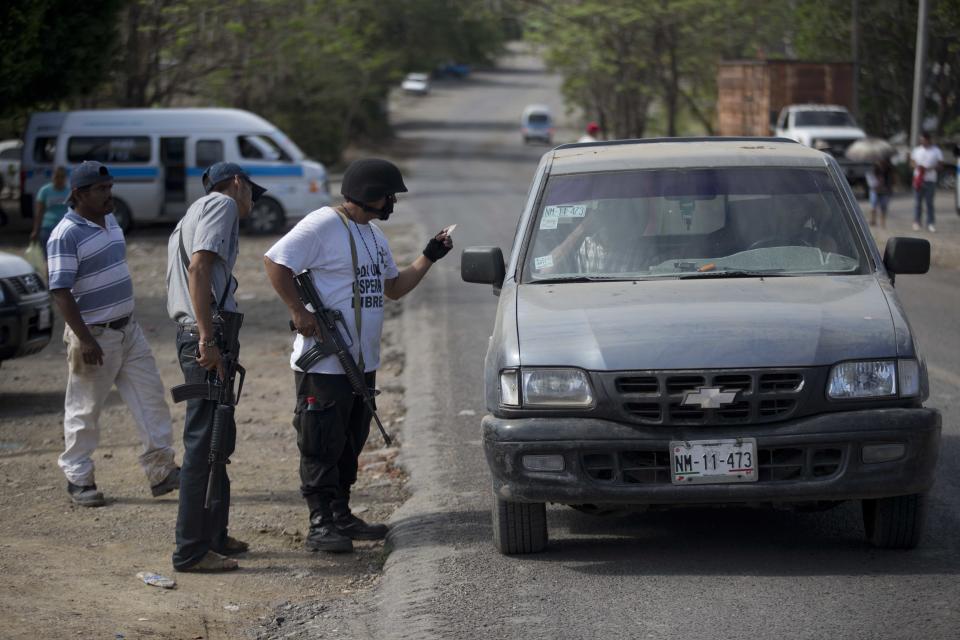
<point x="357" y="313"/>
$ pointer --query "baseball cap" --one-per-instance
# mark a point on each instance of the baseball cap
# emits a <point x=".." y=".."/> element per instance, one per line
<point x="221" y="171"/>
<point x="90" y="172"/>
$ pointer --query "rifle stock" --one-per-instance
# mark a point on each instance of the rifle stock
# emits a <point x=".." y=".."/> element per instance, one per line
<point x="332" y="342"/>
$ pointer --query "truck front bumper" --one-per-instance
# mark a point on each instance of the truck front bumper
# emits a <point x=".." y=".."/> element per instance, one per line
<point x="810" y="459"/>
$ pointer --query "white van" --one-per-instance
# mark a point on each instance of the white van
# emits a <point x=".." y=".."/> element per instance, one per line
<point x="158" y="155"/>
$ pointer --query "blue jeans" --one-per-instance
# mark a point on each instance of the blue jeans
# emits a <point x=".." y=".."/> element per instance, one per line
<point x="925" y="194"/>
<point x="200" y="530"/>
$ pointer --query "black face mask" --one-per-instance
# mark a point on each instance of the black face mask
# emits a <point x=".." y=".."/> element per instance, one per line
<point x="382" y="213"/>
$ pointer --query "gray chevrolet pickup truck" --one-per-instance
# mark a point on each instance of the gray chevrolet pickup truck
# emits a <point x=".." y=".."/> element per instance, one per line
<point x="701" y="321"/>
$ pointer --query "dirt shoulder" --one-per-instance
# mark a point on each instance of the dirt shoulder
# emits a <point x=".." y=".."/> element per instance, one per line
<point x="71" y="572"/>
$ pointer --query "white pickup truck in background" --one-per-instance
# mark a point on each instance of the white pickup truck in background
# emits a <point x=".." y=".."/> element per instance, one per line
<point x="827" y="127"/>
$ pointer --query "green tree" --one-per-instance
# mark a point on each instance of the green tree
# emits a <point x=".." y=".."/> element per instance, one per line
<point x="319" y="69"/>
<point x="53" y="50"/>
<point x="621" y="59"/>
<point x="888" y="46"/>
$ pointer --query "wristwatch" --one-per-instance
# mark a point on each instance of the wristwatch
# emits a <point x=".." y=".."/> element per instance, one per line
<point x="212" y="342"/>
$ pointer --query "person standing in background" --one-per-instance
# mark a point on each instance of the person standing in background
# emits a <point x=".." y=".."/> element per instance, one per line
<point x="880" y="181"/>
<point x="51" y="207"/>
<point x="926" y="159"/>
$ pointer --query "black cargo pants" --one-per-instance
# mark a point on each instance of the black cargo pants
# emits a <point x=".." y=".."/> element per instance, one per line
<point x="198" y="529"/>
<point x="331" y="432"/>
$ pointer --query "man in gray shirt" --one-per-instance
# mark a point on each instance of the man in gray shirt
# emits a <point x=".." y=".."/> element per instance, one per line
<point x="201" y="254"/>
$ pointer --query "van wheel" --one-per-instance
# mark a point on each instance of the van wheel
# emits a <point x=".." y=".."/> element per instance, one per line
<point x="519" y="527"/>
<point x="266" y="217"/>
<point x="122" y="213"/>
<point x="895" y="523"/>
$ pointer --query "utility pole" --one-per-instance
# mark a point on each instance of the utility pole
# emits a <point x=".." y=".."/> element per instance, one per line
<point x="916" y="118"/>
<point x="855" y="46"/>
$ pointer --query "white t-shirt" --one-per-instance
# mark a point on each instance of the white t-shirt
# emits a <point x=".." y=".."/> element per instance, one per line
<point x="319" y="242"/>
<point x="928" y="158"/>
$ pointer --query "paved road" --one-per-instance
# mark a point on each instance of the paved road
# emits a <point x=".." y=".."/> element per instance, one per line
<point x="691" y="573"/>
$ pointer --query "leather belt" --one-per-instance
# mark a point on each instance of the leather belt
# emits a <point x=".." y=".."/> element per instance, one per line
<point x="116" y="325"/>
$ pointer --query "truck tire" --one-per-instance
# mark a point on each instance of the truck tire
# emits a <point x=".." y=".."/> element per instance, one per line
<point x="519" y="527"/>
<point x="895" y="523"/>
<point x="266" y="217"/>
<point x="122" y="213"/>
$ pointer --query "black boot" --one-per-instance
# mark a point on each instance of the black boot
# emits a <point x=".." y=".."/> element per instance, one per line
<point x="323" y="536"/>
<point x="354" y="528"/>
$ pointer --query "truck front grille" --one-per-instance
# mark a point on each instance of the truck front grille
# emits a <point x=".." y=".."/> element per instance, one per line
<point x="674" y="398"/>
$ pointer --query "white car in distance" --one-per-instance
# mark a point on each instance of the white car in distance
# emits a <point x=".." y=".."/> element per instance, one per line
<point x="416" y="83"/>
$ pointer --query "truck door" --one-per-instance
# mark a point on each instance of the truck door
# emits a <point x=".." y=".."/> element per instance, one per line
<point x="173" y="162"/>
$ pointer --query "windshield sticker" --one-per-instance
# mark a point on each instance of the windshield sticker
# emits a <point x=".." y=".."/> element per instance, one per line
<point x="549" y="222"/>
<point x="565" y="211"/>
<point x="543" y="262"/>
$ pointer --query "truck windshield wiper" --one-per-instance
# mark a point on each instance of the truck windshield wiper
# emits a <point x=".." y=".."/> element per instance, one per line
<point x="735" y="273"/>
<point x="557" y="279"/>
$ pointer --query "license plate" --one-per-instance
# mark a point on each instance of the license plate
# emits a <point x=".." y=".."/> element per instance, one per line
<point x="714" y="461"/>
<point x="43" y="319"/>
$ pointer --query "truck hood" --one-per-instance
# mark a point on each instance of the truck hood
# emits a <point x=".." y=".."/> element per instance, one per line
<point x="11" y="265"/>
<point x="830" y="133"/>
<point x="690" y="324"/>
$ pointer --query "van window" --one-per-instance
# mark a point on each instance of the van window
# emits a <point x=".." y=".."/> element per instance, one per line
<point x="260" y="147"/>
<point x="44" y="150"/>
<point x="209" y="152"/>
<point x="109" y="150"/>
<point x="538" y="118"/>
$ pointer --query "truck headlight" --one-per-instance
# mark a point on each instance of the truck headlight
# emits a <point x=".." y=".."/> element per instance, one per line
<point x="873" y="379"/>
<point x="556" y="388"/>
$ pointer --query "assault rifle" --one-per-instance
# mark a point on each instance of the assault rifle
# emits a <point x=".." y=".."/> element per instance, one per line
<point x="331" y="342"/>
<point x="219" y="390"/>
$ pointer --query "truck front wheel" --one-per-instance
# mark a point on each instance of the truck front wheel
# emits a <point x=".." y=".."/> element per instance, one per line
<point x="519" y="527"/>
<point x="895" y="523"/>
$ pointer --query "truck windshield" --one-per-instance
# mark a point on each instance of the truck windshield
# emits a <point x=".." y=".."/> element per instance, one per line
<point x="687" y="222"/>
<point x="823" y="119"/>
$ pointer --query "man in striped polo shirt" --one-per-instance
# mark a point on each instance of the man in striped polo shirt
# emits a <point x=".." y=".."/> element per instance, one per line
<point x="90" y="282"/>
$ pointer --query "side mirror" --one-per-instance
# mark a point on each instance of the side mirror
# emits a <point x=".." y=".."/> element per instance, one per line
<point x="907" y="255"/>
<point x="483" y="265"/>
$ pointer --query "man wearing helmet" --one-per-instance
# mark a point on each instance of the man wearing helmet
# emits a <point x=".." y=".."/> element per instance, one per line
<point x="352" y="268"/>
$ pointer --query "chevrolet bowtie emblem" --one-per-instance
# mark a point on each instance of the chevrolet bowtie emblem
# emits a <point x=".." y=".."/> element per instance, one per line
<point x="709" y="397"/>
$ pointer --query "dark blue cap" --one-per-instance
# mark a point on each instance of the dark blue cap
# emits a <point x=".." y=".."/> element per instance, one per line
<point x="90" y="172"/>
<point x="221" y="171"/>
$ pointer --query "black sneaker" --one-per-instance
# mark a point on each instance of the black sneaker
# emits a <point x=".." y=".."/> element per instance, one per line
<point x="354" y="528"/>
<point x="324" y="536"/>
<point x="168" y="484"/>
<point x="86" y="496"/>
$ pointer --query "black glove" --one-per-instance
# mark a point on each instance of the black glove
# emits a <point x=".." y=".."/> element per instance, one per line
<point x="436" y="249"/>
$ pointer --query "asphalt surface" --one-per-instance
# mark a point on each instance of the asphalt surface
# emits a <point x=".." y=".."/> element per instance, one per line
<point x="712" y="573"/>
